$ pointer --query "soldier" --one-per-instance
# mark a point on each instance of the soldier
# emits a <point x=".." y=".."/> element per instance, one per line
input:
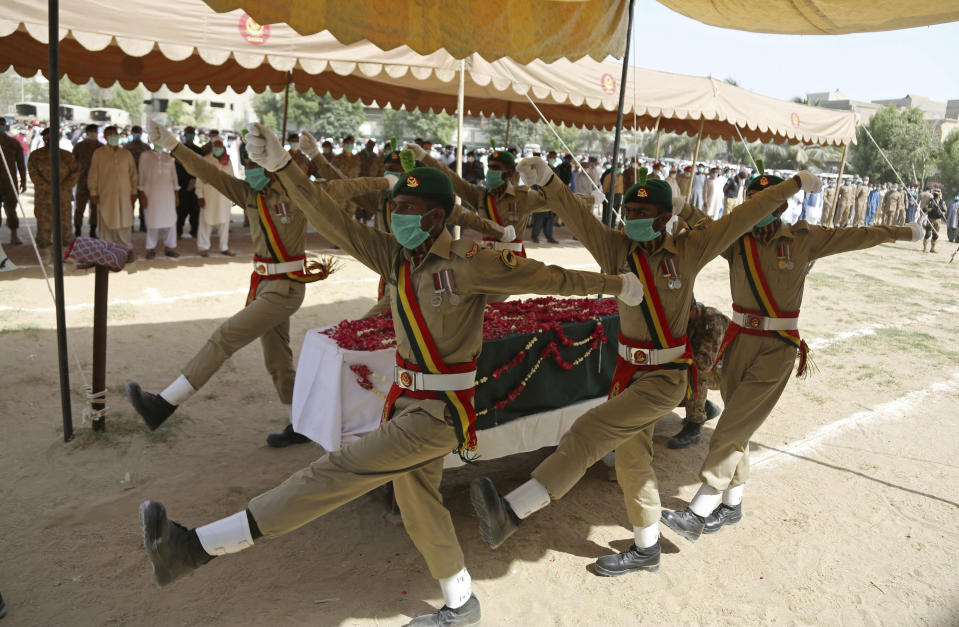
<point x="189" y="206"/>
<point x="500" y="199"/>
<point x="935" y="212"/>
<point x="828" y="204"/>
<point x="862" y="198"/>
<point x="707" y="326"/>
<point x="39" y="167"/>
<point x="767" y="273"/>
<point x="847" y="200"/>
<point x="16" y="165"/>
<point x="429" y="410"/>
<point x="83" y="154"/>
<point x="346" y="162"/>
<point x="298" y="156"/>
<point x="277" y="288"/>
<point x="137" y="147"/>
<point x="370" y="164"/>
<point x="654" y="354"/>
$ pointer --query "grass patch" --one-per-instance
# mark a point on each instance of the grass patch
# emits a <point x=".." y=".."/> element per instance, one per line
<point x="19" y="327"/>
<point x="121" y="311"/>
<point x="894" y="339"/>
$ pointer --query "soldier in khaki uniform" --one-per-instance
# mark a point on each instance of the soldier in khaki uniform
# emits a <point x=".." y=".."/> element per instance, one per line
<point x="428" y="411"/>
<point x="862" y="197"/>
<point x="83" y="154"/>
<point x="654" y="352"/>
<point x="899" y="216"/>
<point x="13" y="155"/>
<point x="39" y="167"/>
<point x="847" y="199"/>
<point x="886" y="206"/>
<point x="767" y="274"/>
<point x="277" y="287"/>
<point x="828" y="205"/>
<point x="347" y="162"/>
<point x="299" y="158"/>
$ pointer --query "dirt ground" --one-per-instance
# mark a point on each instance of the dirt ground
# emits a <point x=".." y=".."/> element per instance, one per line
<point x="850" y="517"/>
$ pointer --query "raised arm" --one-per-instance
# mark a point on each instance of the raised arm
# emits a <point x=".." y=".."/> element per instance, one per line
<point x="825" y="242"/>
<point x="501" y="273"/>
<point x="467" y="219"/>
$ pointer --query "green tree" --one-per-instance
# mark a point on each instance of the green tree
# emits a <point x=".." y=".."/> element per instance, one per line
<point x="906" y="139"/>
<point x="948" y="164"/>
<point x="521" y="132"/>
<point x="177" y="112"/>
<point x="323" y="116"/>
<point x="408" y="125"/>
<point x="129" y="100"/>
<point x="71" y="93"/>
<point x="569" y="134"/>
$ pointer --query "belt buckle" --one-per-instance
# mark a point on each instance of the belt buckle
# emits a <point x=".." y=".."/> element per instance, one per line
<point x="754" y="322"/>
<point x="260" y="268"/>
<point x="640" y="356"/>
<point x="404" y="379"/>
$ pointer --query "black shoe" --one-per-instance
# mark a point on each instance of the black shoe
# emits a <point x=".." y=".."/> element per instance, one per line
<point x="172" y="253"/>
<point x="497" y="519"/>
<point x="629" y="561"/>
<point x="688" y="436"/>
<point x="466" y="614"/>
<point x="285" y="438"/>
<point x="173" y="551"/>
<point x="535" y="240"/>
<point x="151" y="254"/>
<point x="723" y="515"/>
<point x="77" y="233"/>
<point x="93" y="232"/>
<point x="551" y="240"/>
<point x="685" y="522"/>
<point x="152" y="407"/>
<point x="712" y="410"/>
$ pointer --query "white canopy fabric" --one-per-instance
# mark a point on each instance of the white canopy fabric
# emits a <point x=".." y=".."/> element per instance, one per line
<point x="181" y="43"/>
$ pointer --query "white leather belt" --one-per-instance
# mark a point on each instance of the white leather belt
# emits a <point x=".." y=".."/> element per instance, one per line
<point x="650" y="356"/>
<point x="516" y="246"/>
<point x="416" y="381"/>
<point x="763" y="323"/>
<point x="264" y="268"/>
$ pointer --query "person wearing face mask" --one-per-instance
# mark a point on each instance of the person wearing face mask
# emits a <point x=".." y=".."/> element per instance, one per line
<point x="293" y="139"/>
<point x="697" y="197"/>
<point x="189" y="207"/>
<point x="277" y="287"/>
<point x="137" y="147"/>
<point x="429" y="410"/>
<point x="13" y="153"/>
<point x="38" y="165"/>
<point x="655" y="369"/>
<point x="158" y="198"/>
<point x="370" y="163"/>
<point x="346" y="162"/>
<point x="500" y="199"/>
<point x="112" y="181"/>
<point x="767" y="273"/>
<point x="83" y="154"/>
<point x="214" y="206"/>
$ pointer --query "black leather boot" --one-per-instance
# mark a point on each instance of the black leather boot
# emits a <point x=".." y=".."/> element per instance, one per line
<point x="152" y="407"/>
<point x="174" y="551"/>
<point x="712" y="410"/>
<point x="723" y="515"/>
<point x="285" y="438"/>
<point x="685" y="522"/>
<point x="497" y="519"/>
<point x="688" y="436"/>
<point x="466" y="614"/>
<point x="629" y="561"/>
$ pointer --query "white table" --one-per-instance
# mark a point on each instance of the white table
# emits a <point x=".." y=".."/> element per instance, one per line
<point x="331" y="408"/>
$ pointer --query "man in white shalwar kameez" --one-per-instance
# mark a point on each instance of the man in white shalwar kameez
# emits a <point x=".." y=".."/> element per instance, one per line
<point x="697" y="194"/>
<point x="716" y="199"/>
<point x="159" y="199"/>
<point x="214" y="206"/>
<point x="112" y="182"/>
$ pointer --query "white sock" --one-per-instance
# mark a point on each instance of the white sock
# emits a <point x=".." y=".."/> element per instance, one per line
<point x="456" y="589"/>
<point x="528" y="498"/>
<point x="733" y="495"/>
<point x="227" y="535"/>
<point x="646" y="537"/>
<point x="178" y="391"/>
<point x="706" y="500"/>
<point x="289" y="412"/>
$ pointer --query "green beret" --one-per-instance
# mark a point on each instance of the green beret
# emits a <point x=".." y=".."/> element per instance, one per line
<point x="652" y="191"/>
<point x="392" y="158"/>
<point x="762" y="181"/>
<point x="503" y="156"/>
<point x="424" y="181"/>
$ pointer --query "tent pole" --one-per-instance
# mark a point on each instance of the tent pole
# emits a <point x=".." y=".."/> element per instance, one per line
<point x="659" y="139"/>
<point x="611" y="197"/>
<point x="699" y="141"/>
<point x="54" y="60"/>
<point x="509" y="115"/>
<point x="100" y="286"/>
<point x="460" y="105"/>
<point x="286" y="104"/>
<point x="842" y="166"/>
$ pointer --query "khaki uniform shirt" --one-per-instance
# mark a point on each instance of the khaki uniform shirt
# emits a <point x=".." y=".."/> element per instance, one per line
<point x="13" y="153"/>
<point x="113" y="177"/>
<point x="136" y="148"/>
<point x="39" y="168"/>
<point x="83" y="153"/>
<point x="347" y="163"/>
<point x="847" y="195"/>
<point x="301" y="160"/>
<point x="862" y="196"/>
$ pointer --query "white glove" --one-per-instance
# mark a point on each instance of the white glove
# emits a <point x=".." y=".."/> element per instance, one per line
<point x="632" y="293"/>
<point x="809" y="182"/>
<point x="160" y="135"/>
<point x="534" y="170"/>
<point x="392" y="177"/>
<point x="308" y="145"/>
<point x="917" y="231"/>
<point x="509" y="233"/>
<point x="417" y="150"/>
<point x="264" y="148"/>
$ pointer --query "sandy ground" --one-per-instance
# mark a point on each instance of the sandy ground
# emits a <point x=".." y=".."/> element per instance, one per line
<point x="850" y="516"/>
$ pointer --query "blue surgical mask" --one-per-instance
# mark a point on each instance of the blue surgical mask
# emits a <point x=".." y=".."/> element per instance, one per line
<point x="256" y="178"/>
<point x="772" y="217"/>
<point x="136" y="137"/>
<point x="494" y="179"/>
<point x="641" y="230"/>
<point x="188" y="137"/>
<point x="113" y="140"/>
<point x="408" y="229"/>
<point x="217" y="151"/>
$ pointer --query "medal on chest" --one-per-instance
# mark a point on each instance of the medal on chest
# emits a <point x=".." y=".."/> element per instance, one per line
<point x="671" y="272"/>
<point x="784" y="253"/>
<point x="443" y="282"/>
<point x="282" y="212"/>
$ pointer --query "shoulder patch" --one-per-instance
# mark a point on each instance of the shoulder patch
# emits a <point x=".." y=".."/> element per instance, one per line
<point x="472" y="251"/>
<point x="508" y="257"/>
<point x="464" y="247"/>
<point x="801" y="225"/>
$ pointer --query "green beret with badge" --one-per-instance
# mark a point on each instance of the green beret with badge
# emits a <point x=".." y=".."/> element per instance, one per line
<point x="424" y="181"/>
<point x="762" y="180"/>
<point x="503" y="157"/>
<point x="393" y="156"/>
<point x="652" y="191"/>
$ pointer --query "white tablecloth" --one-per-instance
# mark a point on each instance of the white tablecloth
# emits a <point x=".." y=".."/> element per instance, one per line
<point x="331" y="408"/>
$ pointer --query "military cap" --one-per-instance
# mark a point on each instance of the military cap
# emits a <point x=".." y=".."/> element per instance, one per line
<point x="424" y="181"/>
<point x="652" y="191"/>
<point x="762" y="180"/>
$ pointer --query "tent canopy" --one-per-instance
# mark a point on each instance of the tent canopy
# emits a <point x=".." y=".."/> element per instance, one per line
<point x="523" y="30"/>
<point x="815" y="17"/>
<point x="181" y="43"/>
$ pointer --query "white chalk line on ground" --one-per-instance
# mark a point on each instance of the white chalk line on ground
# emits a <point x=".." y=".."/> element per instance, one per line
<point x="896" y="408"/>
<point x="823" y="342"/>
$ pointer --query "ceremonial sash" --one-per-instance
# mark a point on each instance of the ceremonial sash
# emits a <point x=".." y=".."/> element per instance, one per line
<point x="278" y="252"/>
<point x="655" y="316"/>
<point x="428" y="360"/>
<point x="767" y="304"/>
<point x="491" y="210"/>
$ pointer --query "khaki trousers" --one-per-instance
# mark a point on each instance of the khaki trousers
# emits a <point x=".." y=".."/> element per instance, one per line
<point x="266" y="318"/>
<point x="624" y="423"/>
<point x="755" y="372"/>
<point x="407" y="450"/>
<point x="44" y="218"/>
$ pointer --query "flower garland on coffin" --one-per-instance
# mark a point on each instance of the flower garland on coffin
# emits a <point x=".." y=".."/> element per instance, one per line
<point x="542" y="318"/>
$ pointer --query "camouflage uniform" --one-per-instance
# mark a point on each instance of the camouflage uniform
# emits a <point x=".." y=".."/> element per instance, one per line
<point x="13" y="152"/>
<point x="38" y="166"/>
<point x="707" y="326"/>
